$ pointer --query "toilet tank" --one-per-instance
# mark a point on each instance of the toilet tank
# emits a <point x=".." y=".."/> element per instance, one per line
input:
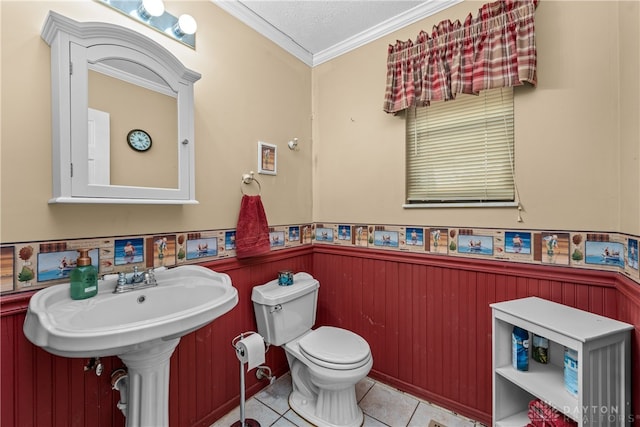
<point x="285" y="312"/>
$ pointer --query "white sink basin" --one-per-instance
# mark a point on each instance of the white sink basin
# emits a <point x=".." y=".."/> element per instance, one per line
<point x="109" y="324"/>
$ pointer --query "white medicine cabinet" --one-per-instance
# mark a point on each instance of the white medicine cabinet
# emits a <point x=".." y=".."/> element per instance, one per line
<point x="122" y="116"/>
<point x="603" y="348"/>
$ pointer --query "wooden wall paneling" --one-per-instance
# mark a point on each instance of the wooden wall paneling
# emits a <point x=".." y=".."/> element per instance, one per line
<point x="406" y="337"/>
<point x="43" y="367"/>
<point x="358" y="289"/>
<point x="189" y="366"/>
<point x="332" y="314"/>
<point x="582" y="297"/>
<point x="174" y="387"/>
<point x="422" y="314"/>
<point x="380" y="321"/>
<point x="26" y="382"/>
<point x="544" y="289"/>
<point x="532" y="286"/>
<point x="426" y="318"/>
<point x="611" y="300"/>
<point x="596" y="298"/>
<point x="568" y="294"/>
<point x="449" y="310"/>
<point x="62" y="392"/>
<point x="8" y="362"/>
<point x="203" y="363"/>
<point x="221" y="382"/>
<point x="80" y="412"/>
<point x="40" y="390"/>
<point x="347" y="307"/>
<point x="80" y="381"/>
<point x="468" y="340"/>
<point x="418" y="321"/>
<point x="344" y="280"/>
<point x="435" y="326"/>
<point x="502" y="290"/>
<point x="557" y="291"/>
<point x="376" y="287"/>
<point x="389" y="300"/>
<point x="450" y="373"/>
<point x="521" y="287"/>
<point x="484" y="295"/>
<point x="104" y="397"/>
<point x="368" y="313"/>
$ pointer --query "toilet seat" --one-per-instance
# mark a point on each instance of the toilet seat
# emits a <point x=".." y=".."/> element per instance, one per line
<point x="335" y="348"/>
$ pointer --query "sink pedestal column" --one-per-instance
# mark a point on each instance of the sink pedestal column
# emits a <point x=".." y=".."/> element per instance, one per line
<point x="148" y="394"/>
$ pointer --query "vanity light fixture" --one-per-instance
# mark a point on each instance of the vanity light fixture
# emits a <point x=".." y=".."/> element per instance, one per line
<point x="152" y="14"/>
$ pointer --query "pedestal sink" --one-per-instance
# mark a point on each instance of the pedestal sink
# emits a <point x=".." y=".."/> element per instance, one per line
<point x="141" y="327"/>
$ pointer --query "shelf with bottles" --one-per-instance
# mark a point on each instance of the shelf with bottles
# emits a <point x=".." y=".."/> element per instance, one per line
<point x="600" y="343"/>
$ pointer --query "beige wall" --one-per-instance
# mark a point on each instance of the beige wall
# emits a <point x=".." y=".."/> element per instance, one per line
<point x="250" y="90"/>
<point x="629" y="30"/>
<point x="577" y="133"/>
<point x="577" y="136"/>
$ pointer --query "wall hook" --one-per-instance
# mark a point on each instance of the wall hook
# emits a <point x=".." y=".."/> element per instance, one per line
<point x="293" y="144"/>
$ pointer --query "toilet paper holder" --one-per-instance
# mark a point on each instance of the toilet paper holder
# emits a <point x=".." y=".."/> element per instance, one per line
<point x="244" y="422"/>
<point x="239" y="350"/>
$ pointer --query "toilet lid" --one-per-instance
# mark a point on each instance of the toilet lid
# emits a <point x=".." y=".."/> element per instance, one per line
<point x="335" y="347"/>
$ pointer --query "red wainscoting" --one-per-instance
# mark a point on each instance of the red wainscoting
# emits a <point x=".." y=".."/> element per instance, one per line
<point x="426" y="317"/>
<point x="428" y="321"/>
<point x="38" y="389"/>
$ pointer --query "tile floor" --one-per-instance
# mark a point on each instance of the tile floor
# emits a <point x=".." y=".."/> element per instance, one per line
<point x="382" y="405"/>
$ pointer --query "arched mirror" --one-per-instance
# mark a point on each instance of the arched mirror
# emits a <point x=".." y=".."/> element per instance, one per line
<point x="122" y="110"/>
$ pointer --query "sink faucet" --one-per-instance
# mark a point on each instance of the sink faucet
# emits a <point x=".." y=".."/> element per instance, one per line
<point x="135" y="280"/>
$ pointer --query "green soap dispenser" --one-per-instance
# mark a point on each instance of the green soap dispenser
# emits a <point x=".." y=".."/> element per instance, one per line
<point x="84" y="278"/>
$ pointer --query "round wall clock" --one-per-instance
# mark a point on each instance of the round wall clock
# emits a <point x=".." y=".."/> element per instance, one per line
<point x="139" y="140"/>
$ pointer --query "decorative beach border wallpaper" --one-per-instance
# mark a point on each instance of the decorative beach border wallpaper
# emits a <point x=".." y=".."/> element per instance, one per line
<point x="34" y="265"/>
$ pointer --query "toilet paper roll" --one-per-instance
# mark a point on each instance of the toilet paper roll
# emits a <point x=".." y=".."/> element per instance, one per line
<point x="250" y="350"/>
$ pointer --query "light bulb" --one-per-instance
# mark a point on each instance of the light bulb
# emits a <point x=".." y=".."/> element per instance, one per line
<point x="185" y="25"/>
<point x="150" y="8"/>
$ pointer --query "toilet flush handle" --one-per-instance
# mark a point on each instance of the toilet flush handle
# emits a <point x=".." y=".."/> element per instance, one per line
<point x="275" y="308"/>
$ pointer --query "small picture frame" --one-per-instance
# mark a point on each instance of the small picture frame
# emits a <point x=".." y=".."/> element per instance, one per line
<point x="267" y="158"/>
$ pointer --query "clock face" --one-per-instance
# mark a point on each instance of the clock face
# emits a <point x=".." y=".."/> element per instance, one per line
<point x="139" y="140"/>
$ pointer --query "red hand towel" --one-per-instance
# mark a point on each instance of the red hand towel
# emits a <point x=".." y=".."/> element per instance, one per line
<point x="252" y="232"/>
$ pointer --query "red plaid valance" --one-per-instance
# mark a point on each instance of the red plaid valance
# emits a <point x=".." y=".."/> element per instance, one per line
<point x="495" y="49"/>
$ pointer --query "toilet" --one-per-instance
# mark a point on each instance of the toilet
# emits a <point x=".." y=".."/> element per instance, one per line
<point x="326" y="363"/>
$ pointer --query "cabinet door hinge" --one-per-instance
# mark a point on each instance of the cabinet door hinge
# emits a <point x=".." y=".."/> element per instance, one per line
<point x="71" y="169"/>
<point x="70" y="68"/>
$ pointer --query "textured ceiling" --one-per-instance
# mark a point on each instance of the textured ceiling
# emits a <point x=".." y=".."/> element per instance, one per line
<point x="319" y="25"/>
<point x="316" y="31"/>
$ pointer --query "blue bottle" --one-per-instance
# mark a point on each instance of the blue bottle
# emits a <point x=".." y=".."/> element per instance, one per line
<point x="520" y="349"/>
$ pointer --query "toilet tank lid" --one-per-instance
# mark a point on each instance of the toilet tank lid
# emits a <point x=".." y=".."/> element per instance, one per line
<point x="272" y="294"/>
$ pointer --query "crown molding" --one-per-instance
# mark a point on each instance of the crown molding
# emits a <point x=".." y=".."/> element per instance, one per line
<point x="248" y="17"/>
<point x="422" y="11"/>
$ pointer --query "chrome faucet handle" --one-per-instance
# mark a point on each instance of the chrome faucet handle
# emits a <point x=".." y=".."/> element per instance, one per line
<point x="150" y="277"/>
<point x="122" y="280"/>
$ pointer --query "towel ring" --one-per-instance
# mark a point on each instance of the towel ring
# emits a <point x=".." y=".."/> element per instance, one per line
<point x="248" y="178"/>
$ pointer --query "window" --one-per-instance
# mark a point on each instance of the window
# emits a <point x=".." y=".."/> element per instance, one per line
<point x="461" y="152"/>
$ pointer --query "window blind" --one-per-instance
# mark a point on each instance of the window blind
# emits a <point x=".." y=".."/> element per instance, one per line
<point x="461" y="150"/>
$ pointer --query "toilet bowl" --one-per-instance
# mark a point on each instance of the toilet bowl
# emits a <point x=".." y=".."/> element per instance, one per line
<point x="325" y="363"/>
<point x="324" y="384"/>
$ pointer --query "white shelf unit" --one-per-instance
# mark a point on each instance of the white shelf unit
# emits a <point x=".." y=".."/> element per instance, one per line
<point x="604" y="374"/>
